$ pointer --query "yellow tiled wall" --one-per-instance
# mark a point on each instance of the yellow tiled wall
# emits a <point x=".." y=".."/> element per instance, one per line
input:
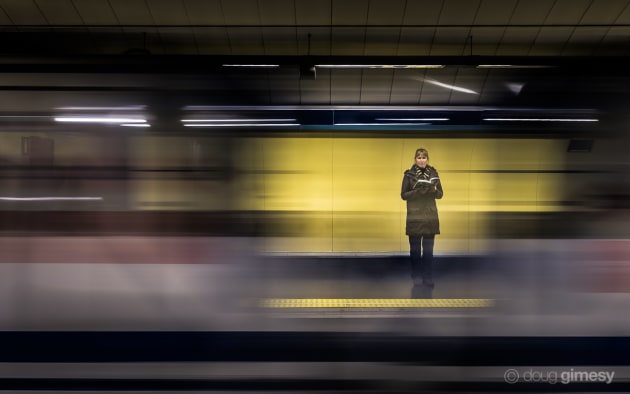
<point x="343" y="194"/>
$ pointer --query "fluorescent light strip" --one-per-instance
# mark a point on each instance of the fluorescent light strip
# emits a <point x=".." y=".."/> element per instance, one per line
<point x="415" y="119"/>
<point x="539" y="120"/>
<point x="510" y="66"/>
<point x="51" y="198"/>
<point x="126" y="108"/>
<point x="135" y="125"/>
<point x="336" y="107"/>
<point x="379" y="65"/>
<point x="252" y="65"/>
<point x="236" y="120"/>
<point x="98" y="120"/>
<point x="382" y="124"/>
<point x="240" y="124"/>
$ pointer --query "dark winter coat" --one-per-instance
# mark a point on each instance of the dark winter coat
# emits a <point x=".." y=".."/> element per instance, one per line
<point x="420" y="188"/>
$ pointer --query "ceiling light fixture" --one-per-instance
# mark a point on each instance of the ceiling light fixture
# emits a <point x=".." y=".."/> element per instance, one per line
<point x="240" y="124"/>
<point x="135" y="125"/>
<point x="382" y="124"/>
<point x="539" y="120"/>
<point x="244" y="122"/>
<point x="121" y="108"/>
<point x="252" y="65"/>
<point x="387" y="66"/>
<point x="81" y="119"/>
<point x="333" y="108"/>
<point x="511" y="66"/>
<point x="414" y="119"/>
<point x="236" y="120"/>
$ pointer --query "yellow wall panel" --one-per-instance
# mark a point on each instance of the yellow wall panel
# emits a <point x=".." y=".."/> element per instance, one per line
<point x="297" y="174"/>
<point x="248" y="189"/>
<point x="549" y="191"/>
<point x="178" y="194"/>
<point x="355" y="204"/>
<point x="364" y="175"/>
<point x="484" y="154"/>
<point x="552" y="154"/>
<point x="297" y="179"/>
<point x="367" y="178"/>
<point x="521" y="154"/>
<point x="483" y="191"/>
<point x="516" y="192"/>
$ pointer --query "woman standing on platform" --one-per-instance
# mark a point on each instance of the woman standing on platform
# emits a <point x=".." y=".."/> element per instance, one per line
<point x="421" y="186"/>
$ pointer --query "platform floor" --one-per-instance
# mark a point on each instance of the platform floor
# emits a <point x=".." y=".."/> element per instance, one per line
<point x="480" y="295"/>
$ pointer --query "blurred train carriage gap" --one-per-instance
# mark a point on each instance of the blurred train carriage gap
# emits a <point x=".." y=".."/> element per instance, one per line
<point x="205" y="195"/>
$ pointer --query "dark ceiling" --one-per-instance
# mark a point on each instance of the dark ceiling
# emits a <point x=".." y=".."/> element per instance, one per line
<point x="567" y="58"/>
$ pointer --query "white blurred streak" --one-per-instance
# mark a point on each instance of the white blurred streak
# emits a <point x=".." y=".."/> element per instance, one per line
<point x="451" y="87"/>
<point x="51" y="198"/>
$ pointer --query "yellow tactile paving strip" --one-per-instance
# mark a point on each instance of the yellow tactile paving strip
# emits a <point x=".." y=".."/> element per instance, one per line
<point x="386" y="303"/>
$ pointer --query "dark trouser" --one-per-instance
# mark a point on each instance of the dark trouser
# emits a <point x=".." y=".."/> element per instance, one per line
<point x="421" y="252"/>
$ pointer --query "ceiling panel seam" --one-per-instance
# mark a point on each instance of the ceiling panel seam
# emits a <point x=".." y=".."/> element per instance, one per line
<point x="603" y="38"/>
<point x="400" y="29"/>
<point x="435" y="29"/>
<point x="566" y="42"/>
<point x="192" y="31"/>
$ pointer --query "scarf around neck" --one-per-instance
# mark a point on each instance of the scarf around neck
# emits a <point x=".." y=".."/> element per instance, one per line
<point x="421" y="173"/>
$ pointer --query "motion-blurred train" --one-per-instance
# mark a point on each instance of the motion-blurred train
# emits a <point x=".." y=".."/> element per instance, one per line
<point x="139" y="246"/>
<point x="100" y="224"/>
